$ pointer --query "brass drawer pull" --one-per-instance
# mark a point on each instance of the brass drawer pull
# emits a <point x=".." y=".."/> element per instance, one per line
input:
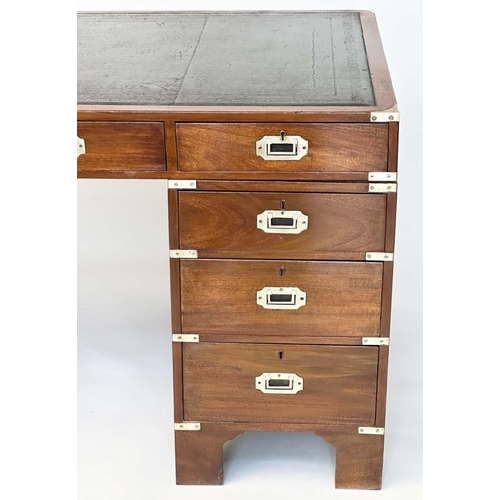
<point x="282" y="221"/>
<point x="274" y="297"/>
<point x="279" y="383"/>
<point x="282" y="147"/>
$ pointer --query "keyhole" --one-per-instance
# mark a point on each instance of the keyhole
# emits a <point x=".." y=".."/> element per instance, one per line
<point x="280" y="354"/>
<point x="282" y="271"/>
<point x="283" y="205"/>
<point x="282" y="133"/>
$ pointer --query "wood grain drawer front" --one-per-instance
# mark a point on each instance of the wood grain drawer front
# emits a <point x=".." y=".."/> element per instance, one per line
<point x="229" y="221"/>
<point x="122" y="146"/>
<point x="339" y="383"/>
<point x="341" y="298"/>
<point x="230" y="147"/>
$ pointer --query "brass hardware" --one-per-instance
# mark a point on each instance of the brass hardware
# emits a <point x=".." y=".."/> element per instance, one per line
<point x="172" y="184"/>
<point x="382" y="188"/>
<point x="282" y="147"/>
<point x="382" y="176"/>
<point x="282" y="221"/>
<point x="388" y="115"/>
<point x="275" y="297"/>
<point x="80" y="146"/>
<point x="279" y="383"/>
<point x="185" y="338"/>
<point x="379" y="256"/>
<point x="188" y="426"/>
<point x="183" y="254"/>
<point x="380" y="431"/>
<point x="375" y="341"/>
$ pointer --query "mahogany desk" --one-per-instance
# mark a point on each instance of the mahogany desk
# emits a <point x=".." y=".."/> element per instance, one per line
<point x="278" y="135"/>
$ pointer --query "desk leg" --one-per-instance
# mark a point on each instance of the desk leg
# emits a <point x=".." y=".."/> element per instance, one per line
<point x="199" y="455"/>
<point x="359" y="460"/>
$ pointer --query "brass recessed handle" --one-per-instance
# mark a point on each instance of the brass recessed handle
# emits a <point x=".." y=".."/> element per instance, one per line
<point x="279" y="383"/>
<point x="282" y="221"/>
<point x="281" y="297"/>
<point x="282" y="147"/>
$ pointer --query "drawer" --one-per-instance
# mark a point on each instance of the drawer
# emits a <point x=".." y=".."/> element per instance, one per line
<point x="284" y="222"/>
<point x="231" y="147"/>
<point x="337" y="383"/>
<point x="122" y="146"/>
<point x="317" y="298"/>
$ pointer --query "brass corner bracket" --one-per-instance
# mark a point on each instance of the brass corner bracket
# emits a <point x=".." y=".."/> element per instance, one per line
<point x="386" y="116"/>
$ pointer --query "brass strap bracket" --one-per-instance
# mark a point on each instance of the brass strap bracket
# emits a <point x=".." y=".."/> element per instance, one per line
<point x="183" y="254"/>
<point x="185" y="338"/>
<point x="382" y="176"/>
<point x="188" y="426"/>
<point x="385" y="116"/>
<point x="378" y="431"/>
<point x="80" y="146"/>
<point x="382" y="182"/>
<point x="180" y="184"/>
<point x="382" y="188"/>
<point x="375" y="341"/>
<point x="379" y="256"/>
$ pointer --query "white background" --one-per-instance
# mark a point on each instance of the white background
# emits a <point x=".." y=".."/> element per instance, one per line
<point x="124" y="375"/>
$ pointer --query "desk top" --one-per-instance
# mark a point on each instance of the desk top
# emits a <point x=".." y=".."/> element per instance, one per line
<point x="232" y="59"/>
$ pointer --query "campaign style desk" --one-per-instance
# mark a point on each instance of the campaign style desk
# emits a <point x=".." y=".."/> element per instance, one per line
<point x="278" y="134"/>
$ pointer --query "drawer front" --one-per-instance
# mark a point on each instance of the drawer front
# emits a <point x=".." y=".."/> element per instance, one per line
<point x="122" y="146"/>
<point x="329" y="298"/>
<point x="256" y="221"/>
<point x="337" y="383"/>
<point x="231" y="147"/>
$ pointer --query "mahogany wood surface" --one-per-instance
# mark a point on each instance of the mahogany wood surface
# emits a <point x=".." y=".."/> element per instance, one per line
<point x="219" y="296"/>
<point x="171" y="145"/>
<point x="228" y="221"/>
<point x="278" y="339"/>
<point x="230" y="147"/>
<point x="383" y="365"/>
<point x="385" y="321"/>
<point x="272" y="255"/>
<point x="227" y="114"/>
<point x="122" y="146"/>
<point x="294" y="187"/>
<point x="175" y="305"/>
<point x="339" y="383"/>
